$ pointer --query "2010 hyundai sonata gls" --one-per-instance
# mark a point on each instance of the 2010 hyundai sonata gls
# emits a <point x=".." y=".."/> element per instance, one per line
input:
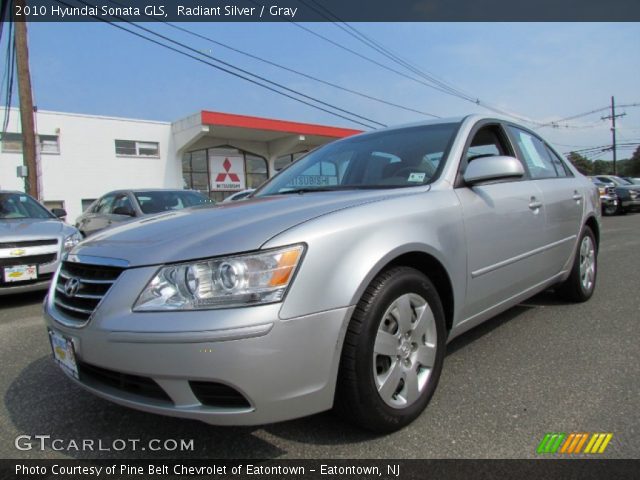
<point x="338" y="284"/>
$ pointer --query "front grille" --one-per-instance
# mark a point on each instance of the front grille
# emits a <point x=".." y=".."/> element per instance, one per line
<point x="135" y="384"/>
<point x="218" y="395"/>
<point x="28" y="243"/>
<point x="28" y="260"/>
<point x="610" y="190"/>
<point x="94" y="283"/>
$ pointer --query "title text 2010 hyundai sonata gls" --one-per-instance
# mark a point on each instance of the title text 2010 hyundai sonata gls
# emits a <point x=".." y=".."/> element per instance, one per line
<point x="337" y="284"/>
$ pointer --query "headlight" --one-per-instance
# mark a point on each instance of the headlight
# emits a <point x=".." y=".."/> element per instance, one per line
<point x="241" y="280"/>
<point x="71" y="241"/>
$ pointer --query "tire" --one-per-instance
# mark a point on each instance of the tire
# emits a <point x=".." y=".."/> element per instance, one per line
<point x="609" y="210"/>
<point x="393" y="352"/>
<point x="581" y="283"/>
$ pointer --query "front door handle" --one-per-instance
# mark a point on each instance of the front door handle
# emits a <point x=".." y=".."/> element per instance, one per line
<point x="534" y="204"/>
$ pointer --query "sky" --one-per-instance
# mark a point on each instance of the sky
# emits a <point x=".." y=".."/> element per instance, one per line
<point x="542" y="71"/>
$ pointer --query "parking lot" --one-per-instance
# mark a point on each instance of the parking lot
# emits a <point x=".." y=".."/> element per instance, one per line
<point x="543" y="366"/>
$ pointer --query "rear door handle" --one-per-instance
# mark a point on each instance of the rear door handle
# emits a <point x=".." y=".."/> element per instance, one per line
<point x="577" y="197"/>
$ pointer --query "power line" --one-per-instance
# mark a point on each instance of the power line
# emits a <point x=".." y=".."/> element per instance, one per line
<point x="291" y="70"/>
<point x="439" y="85"/>
<point x="245" y="77"/>
<point x="590" y="112"/>
<point x="371" y="43"/>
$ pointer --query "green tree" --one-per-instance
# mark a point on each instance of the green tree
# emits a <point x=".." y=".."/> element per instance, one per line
<point x="583" y="165"/>
<point x="633" y="169"/>
<point x="602" y="167"/>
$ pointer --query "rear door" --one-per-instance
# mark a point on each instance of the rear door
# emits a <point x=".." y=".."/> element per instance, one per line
<point x="504" y="224"/>
<point x="563" y="197"/>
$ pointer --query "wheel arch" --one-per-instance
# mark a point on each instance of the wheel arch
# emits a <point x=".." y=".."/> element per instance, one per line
<point x="593" y="224"/>
<point x="429" y="265"/>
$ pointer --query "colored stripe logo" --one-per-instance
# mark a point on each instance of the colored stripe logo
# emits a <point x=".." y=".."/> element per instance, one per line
<point x="573" y="443"/>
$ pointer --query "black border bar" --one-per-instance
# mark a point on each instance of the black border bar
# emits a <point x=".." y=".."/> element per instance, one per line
<point x="331" y="10"/>
<point x="548" y="469"/>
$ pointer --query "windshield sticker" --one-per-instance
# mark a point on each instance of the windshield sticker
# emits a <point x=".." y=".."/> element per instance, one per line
<point x="416" y="177"/>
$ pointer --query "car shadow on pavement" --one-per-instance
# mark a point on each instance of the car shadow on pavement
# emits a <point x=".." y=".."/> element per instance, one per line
<point x="42" y="401"/>
<point x="23" y="299"/>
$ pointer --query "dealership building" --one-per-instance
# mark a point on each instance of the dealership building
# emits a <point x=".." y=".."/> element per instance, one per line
<point x="81" y="157"/>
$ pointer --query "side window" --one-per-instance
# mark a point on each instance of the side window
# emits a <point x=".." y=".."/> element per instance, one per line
<point x="561" y="168"/>
<point x="121" y="201"/>
<point x="535" y="154"/>
<point x="486" y="142"/>
<point x="104" y="204"/>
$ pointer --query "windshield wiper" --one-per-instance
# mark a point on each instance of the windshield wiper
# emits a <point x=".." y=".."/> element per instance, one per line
<point x="305" y="190"/>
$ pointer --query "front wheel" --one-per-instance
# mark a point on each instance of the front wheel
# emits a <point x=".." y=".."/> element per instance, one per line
<point x="582" y="281"/>
<point x="609" y="209"/>
<point x="393" y="352"/>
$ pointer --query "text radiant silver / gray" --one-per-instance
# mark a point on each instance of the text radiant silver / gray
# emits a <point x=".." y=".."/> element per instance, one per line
<point x="337" y="284"/>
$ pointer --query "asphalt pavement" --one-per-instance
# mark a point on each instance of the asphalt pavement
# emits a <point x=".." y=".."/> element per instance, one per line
<point x="543" y="366"/>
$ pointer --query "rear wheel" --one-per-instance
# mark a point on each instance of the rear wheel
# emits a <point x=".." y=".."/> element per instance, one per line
<point x="582" y="282"/>
<point x="393" y="352"/>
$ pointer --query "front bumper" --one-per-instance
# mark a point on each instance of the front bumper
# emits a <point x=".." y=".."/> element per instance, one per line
<point x="283" y="368"/>
<point x="631" y="204"/>
<point x="45" y="274"/>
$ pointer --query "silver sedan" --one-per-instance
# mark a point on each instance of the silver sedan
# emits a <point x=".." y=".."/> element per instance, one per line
<point x="337" y="284"/>
<point x="32" y="243"/>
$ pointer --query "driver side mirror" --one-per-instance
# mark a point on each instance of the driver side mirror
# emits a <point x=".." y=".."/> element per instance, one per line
<point x="128" y="211"/>
<point x="488" y="169"/>
<point x="59" y="212"/>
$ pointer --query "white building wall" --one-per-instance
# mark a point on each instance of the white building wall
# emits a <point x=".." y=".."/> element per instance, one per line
<point x="87" y="165"/>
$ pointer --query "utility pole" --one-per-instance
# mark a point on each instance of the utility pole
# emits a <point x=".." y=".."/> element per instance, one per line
<point x="613" y="117"/>
<point x="26" y="104"/>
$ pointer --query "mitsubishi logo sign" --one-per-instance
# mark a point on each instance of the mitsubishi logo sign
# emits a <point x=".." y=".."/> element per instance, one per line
<point x="227" y="173"/>
<point x="232" y="176"/>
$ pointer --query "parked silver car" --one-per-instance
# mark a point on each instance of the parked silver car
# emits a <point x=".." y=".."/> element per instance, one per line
<point x="338" y="284"/>
<point x="32" y="241"/>
<point x="121" y="206"/>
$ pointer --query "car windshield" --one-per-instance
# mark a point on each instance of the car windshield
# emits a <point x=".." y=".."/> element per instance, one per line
<point x="20" y="205"/>
<point x="162" y="201"/>
<point x="619" y="181"/>
<point x="404" y="157"/>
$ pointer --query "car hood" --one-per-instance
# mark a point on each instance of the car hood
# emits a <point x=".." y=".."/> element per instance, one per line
<point x="209" y="231"/>
<point x="30" y="228"/>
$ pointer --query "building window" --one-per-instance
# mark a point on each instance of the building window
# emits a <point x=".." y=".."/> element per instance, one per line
<point x="134" y="148"/>
<point x="12" y="143"/>
<point x="285" y="160"/>
<point x="195" y="171"/>
<point x="51" y="204"/>
<point x="86" y="203"/>
<point x="256" y="170"/>
<point x="49" y="144"/>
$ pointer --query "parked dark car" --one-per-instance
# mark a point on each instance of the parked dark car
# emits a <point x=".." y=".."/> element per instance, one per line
<point x="609" y="200"/>
<point x="628" y="193"/>
<point x="124" y="205"/>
